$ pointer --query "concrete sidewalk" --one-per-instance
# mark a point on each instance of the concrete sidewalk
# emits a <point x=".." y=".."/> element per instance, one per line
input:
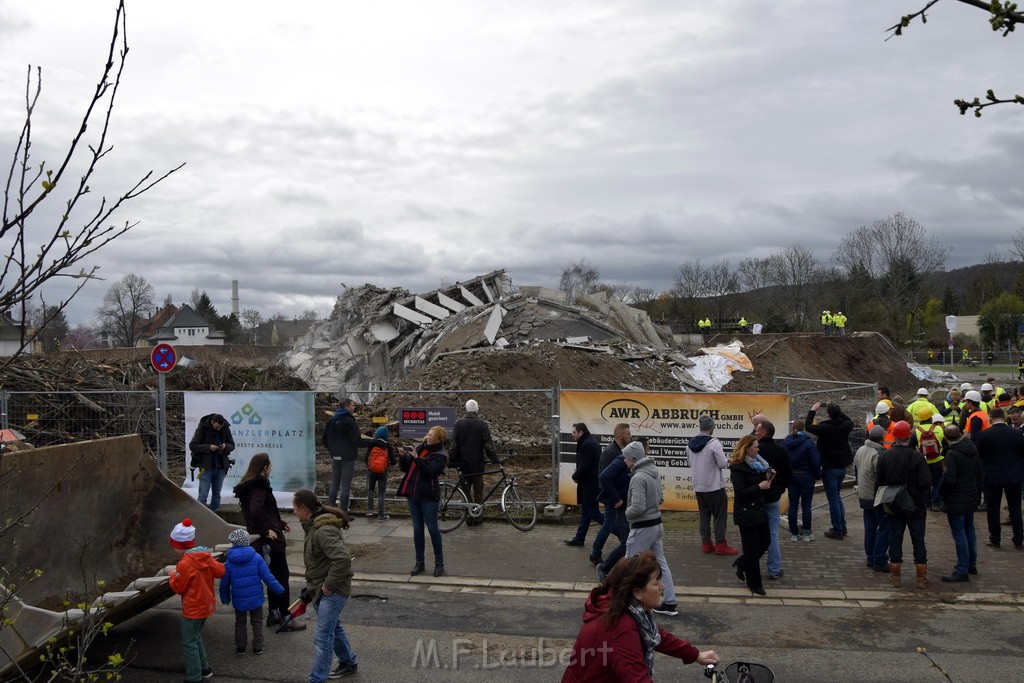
<point x="497" y="558"/>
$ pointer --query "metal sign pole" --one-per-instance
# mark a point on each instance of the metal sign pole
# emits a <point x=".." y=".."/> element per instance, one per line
<point x="161" y="421"/>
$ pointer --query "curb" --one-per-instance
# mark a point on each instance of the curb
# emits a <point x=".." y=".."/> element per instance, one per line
<point x="694" y="594"/>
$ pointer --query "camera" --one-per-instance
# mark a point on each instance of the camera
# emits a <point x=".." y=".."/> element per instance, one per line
<point x="231" y="463"/>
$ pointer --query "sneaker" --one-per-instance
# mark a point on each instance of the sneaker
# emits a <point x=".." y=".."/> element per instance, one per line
<point x="240" y="650"/>
<point x="208" y="672"/>
<point x="601" y="573"/>
<point x="369" y="513"/>
<point x="343" y="670"/>
<point x="383" y="518"/>
<point x="835" y="535"/>
<point x="257" y="650"/>
<point x="807" y="538"/>
<point x="668" y="608"/>
<point x="782" y="572"/>
<point x="795" y="538"/>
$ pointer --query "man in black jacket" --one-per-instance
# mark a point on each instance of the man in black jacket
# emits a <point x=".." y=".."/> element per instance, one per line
<point x="1002" y="452"/>
<point x="588" y="458"/>
<point x="834" y="445"/>
<point x="343" y="441"/>
<point x="902" y="465"/>
<point x="471" y="440"/>
<point x="961" y="493"/>
<point x="211" y="446"/>
<point x="778" y="458"/>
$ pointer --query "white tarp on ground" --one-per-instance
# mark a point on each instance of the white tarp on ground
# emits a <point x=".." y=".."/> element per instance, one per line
<point x="714" y="369"/>
<point x="932" y="375"/>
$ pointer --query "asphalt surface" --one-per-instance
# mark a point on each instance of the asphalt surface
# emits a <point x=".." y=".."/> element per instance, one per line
<point x="511" y="603"/>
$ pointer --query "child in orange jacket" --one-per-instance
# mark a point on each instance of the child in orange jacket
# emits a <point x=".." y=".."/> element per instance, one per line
<point x="192" y="579"/>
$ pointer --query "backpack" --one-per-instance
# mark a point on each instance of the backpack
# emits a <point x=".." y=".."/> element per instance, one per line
<point x="928" y="443"/>
<point x="377" y="462"/>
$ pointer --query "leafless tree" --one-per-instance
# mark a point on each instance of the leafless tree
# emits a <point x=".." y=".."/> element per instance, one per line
<point x="722" y="285"/>
<point x="1004" y="15"/>
<point x="689" y="289"/>
<point x="578" y="277"/>
<point x="124" y="307"/>
<point x="251" y="321"/>
<point x="891" y="262"/>
<point x="797" y="272"/>
<point x="38" y="247"/>
<point x="1017" y="245"/>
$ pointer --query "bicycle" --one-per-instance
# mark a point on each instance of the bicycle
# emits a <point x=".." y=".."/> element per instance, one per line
<point x="740" y="672"/>
<point x="517" y="502"/>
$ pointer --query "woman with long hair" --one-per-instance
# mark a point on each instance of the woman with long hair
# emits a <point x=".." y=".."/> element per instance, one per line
<point x="751" y="477"/>
<point x="419" y="485"/>
<point x="259" y="509"/>
<point x="619" y="636"/>
<point x="806" y="462"/>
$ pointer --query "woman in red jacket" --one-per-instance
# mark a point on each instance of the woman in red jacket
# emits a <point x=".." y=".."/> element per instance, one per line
<point x="619" y="637"/>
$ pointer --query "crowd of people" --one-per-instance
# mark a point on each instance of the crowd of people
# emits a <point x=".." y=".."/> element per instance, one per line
<point x="956" y="455"/>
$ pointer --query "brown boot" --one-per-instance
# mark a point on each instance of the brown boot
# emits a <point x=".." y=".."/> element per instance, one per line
<point x="922" y="575"/>
<point x="894" y="574"/>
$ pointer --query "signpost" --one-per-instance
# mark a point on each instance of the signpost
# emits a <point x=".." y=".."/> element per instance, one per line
<point x="163" y="359"/>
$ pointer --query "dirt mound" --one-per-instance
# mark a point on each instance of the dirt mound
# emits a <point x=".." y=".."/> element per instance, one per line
<point x="863" y="357"/>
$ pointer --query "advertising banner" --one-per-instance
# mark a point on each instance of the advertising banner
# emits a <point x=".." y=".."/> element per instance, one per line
<point x="669" y="420"/>
<point x="279" y="423"/>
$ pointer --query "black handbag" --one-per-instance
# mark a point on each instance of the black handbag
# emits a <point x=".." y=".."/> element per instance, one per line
<point x="895" y="499"/>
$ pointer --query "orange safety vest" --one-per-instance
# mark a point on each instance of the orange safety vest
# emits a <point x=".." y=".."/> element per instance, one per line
<point x="980" y="414"/>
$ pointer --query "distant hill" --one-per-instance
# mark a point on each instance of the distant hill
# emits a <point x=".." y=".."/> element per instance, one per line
<point x="967" y="281"/>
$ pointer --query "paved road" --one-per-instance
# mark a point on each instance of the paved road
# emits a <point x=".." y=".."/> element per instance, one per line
<point x="829" y="619"/>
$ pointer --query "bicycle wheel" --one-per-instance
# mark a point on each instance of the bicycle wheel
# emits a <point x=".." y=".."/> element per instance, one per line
<point x="519" y="506"/>
<point x="452" y="511"/>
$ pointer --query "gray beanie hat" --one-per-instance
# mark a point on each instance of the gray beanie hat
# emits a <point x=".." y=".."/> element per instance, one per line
<point x="634" y="451"/>
<point x="706" y="422"/>
<point x="239" y="537"/>
<point x="877" y="433"/>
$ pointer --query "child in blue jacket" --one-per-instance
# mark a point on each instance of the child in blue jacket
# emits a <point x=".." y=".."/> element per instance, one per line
<point x="245" y="572"/>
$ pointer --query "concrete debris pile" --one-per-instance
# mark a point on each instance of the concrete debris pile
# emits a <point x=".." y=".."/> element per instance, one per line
<point x="375" y="336"/>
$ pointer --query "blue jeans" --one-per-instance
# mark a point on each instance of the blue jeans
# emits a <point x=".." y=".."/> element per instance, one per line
<point x="622" y="531"/>
<point x="876" y="534"/>
<point x="607" y="529"/>
<point x="210" y="482"/>
<point x="831" y="479"/>
<point x="916" y="525"/>
<point x="588" y="512"/>
<point x="329" y="637"/>
<point x="801" y="493"/>
<point x="424" y="512"/>
<point x="965" y="541"/>
<point x="774" y="552"/>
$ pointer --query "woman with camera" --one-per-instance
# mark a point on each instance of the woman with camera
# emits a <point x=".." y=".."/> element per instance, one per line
<point x="422" y="468"/>
<point x="619" y="636"/>
<point x="751" y="478"/>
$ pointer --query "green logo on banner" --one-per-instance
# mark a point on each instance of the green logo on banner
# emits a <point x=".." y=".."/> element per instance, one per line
<point x="246" y="414"/>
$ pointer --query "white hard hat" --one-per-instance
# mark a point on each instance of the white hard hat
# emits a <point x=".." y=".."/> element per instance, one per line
<point x="882" y="408"/>
<point x="973" y="396"/>
<point x="966" y="386"/>
<point x="937" y="417"/>
<point x="986" y="387"/>
<point x="922" y="392"/>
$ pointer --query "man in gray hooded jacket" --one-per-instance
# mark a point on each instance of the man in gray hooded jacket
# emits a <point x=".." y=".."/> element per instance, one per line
<point x="643" y="511"/>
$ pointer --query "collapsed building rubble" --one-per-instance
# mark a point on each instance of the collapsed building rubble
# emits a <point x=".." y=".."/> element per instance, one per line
<point x="376" y="336"/>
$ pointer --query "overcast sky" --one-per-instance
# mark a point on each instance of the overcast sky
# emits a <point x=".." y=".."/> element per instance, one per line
<point x="419" y="143"/>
